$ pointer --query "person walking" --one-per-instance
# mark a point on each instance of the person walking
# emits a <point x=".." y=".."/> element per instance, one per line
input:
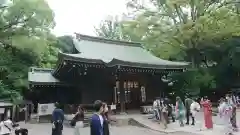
<point x="180" y="111"/>
<point x="96" y="122"/>
<point x="188" y="102"/>
<point x="57" y="118"/>
<point x="167" y="102"/>
<point x="6" y="127"/>
<point x="78" y="119"/>
<point x="232" y="101"/>
<point x="165" y="115"/>
<point x="155" y="110"/>
<point x="225" y="113"/>
<point x="106" y="120"/>
<point x="194" y="108"/>
<point x="207" y="109"/>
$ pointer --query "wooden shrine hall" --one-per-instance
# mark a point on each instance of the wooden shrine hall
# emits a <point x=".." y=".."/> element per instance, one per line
<point x="117" y="72"/>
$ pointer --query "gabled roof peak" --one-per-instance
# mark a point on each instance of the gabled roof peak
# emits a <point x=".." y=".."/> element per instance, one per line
<point x="104" y="40"/>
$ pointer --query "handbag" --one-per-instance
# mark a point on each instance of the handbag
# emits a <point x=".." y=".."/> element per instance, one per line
<point x="74" y="121"/>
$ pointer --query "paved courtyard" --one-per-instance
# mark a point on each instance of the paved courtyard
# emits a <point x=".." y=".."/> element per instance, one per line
<point x="173" y="127"/>
<point x="156" y="129"/>
<point x="45" y="129"/>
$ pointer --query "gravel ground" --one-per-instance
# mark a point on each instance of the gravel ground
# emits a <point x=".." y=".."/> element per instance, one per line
<point x="45" y="129"/>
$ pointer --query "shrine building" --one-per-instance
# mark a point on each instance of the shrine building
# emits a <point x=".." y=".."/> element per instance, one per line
<point x="117" y="72"/>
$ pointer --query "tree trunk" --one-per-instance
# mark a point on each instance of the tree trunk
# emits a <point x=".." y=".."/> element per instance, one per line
<point x="193" y="61"/>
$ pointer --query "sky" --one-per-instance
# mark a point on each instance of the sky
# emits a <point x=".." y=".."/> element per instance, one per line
<point x="82" y="15"/>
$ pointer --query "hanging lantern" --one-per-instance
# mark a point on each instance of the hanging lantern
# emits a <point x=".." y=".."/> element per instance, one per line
<point x="117" y="84"/>
<point x="125" y="85"/>
<point x="170" y="84"/>
<point x="135" y="84"/>
<point x="132" y="85"/>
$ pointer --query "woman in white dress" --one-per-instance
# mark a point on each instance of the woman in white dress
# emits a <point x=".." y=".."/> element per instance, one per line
<point x="79" y="118"/>
<point x="194" y="109"/>
<point x="225" y="113"/>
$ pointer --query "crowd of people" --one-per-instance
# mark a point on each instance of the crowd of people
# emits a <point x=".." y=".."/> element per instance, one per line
<point x="164" y="110"/>
<point x="188" y="109"/>
<point x="99" y="123"/>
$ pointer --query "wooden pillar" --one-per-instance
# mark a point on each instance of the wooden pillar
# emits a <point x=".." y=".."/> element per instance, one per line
<point x="122" y="96"/>
<point x="159" y="84"/>
<point x="120" y="79"/>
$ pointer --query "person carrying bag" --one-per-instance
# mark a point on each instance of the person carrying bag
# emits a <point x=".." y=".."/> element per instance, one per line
<point x="77" y="121"/>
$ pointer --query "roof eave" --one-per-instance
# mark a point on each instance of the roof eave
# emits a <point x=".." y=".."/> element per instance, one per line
<point x="104" y="40"/>
<point x="116" y="62"/>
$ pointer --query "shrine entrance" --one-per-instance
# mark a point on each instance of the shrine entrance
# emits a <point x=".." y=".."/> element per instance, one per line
<point x="135" y="94"/>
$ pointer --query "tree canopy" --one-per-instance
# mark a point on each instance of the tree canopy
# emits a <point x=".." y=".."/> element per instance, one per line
<point x="25" y="40"/>
<point x="204" y="32"/>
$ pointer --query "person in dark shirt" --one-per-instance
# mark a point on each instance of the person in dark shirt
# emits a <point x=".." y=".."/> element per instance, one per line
<point x="57" y="119"/>
<point x="97" y="120"/>
<point x="188" y="102"/>
<point x="167" y="102"/>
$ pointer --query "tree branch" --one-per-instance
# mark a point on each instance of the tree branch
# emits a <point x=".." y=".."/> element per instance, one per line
<point x="222" y="5"/>
<point x="16" y="22"/>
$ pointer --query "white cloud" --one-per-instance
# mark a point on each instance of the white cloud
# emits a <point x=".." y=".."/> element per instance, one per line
<point x="82" y="15"/>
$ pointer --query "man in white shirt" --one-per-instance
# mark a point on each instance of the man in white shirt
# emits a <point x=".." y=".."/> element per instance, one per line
<point x="6" y="127"/>
<point x="194" y="108"/>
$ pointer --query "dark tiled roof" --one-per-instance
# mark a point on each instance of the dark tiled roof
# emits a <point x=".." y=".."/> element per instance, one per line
<point x="112" y="52"/>
<point x="41" y="75"/>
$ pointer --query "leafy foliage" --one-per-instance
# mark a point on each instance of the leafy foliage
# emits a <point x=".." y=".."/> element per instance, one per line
<point x="183" y="24"/>
<point x="65" y="44"/>
<point x="198" y="31"/>
<point x="203" y="32"/>
<point x="191" y="82"/>
<point x="111" y="29"/>
<point x="7" y="94"/>
<point x="24" y="38"/>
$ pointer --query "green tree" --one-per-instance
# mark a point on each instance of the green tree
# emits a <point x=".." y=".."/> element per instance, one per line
<point x="26" y="24"/>
<point x="111" y="29"/>
<point x="65" y="44"/>
<point x="185" y="30"/>
<point x="24" y="35"/>
<point x="184" y="26"/>
<point x="8" y="94"/>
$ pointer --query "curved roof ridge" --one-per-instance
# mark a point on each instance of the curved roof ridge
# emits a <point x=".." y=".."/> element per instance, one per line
<point x="37" y="69"/>
<point x="105" y="40"/>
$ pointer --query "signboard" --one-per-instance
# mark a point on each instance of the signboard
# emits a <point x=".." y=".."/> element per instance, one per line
<point x="113" y="107"/>
<point x="2" y="110"/>
<point x="45" y="109"/>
